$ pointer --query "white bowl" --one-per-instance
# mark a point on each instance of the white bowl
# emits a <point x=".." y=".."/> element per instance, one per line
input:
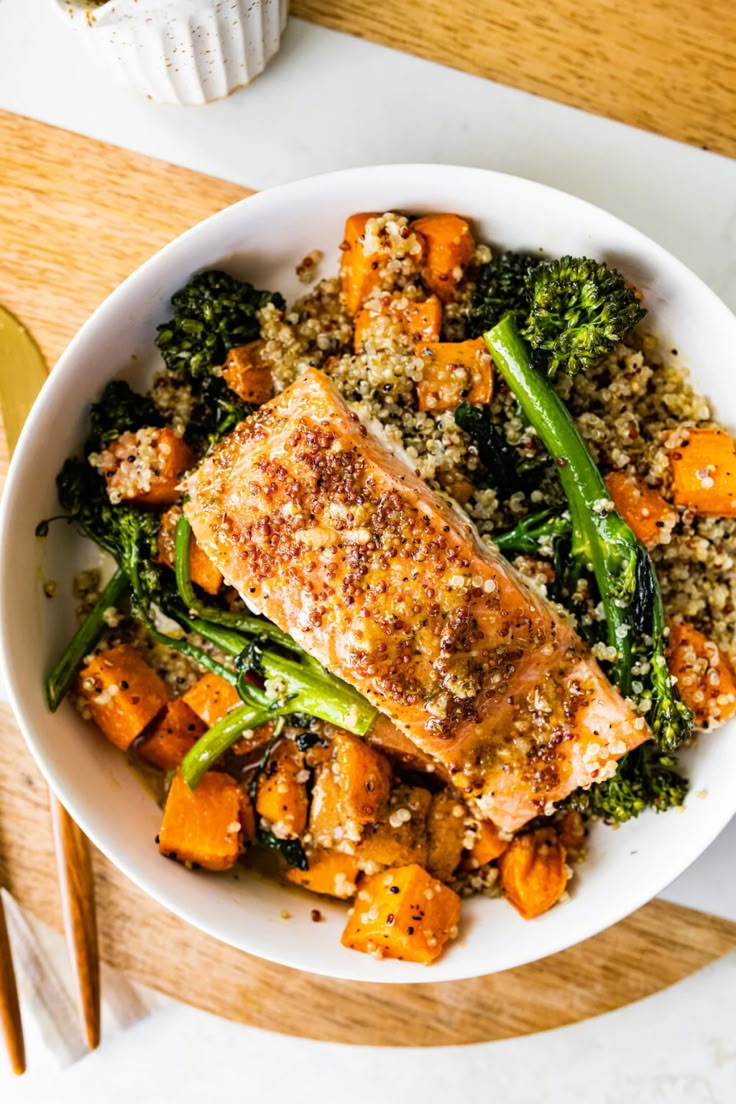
<point x="263" y="238"/>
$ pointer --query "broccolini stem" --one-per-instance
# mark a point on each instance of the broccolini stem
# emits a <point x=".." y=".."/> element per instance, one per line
<point x="310" y="688"/>
<point x="527" y="535"/>
<point x="322" y="696"/>
<point x="65" y="669"/>
<point x="216" y="741"/>
<point x="600" y="538"/>
<point x="254" y="626"/>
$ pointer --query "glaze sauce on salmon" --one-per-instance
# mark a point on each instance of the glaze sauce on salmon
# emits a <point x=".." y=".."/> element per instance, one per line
<point x="329" y="534"/>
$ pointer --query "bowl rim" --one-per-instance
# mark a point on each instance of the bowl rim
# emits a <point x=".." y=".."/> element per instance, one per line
<point x="56" y="384"/>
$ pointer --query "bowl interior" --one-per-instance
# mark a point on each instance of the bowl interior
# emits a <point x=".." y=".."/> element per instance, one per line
<point x="263" y="238"/>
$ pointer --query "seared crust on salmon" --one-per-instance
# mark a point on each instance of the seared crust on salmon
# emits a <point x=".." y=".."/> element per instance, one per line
<point x="337" y="541"/>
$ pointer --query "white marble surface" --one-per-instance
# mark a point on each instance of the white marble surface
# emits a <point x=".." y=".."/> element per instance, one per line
<point x="329" y="101"/>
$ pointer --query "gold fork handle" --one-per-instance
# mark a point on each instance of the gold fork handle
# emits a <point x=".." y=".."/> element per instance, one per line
<point x="74" y="867"/>
<point x="9" y="1007"/>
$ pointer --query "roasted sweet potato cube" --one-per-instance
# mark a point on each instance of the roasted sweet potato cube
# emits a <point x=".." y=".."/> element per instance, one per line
<point x="282" y="791"/>
<point x="533" y="872"/>
<point x="252" y="742"/>
<point x="487" y="845"/>
<point x="145" y="467"/>
<point x="449" y="252"/>
<point x="643" y="509"/>
<point x="331" y="872"/>
<point x="201" y="568"/>
<point x="171" y="736"/>
<point x="403" y="913"/>
<point x="247" y="817"/>
<point x="359" y="273"/>
<point x="446" y="832"/>
<point x="704" y="472"/>
<point x="325" y="814"/>
<point x="453" y="372"/>
<point x="364" y="778"/>
<point x="247" y="375"/>
<point x="401" y="836"/>
<point x="419" y="319"/>
<point x="211" y="698"/>
<point x="705" y="678"/>
<point x="123" y="694"/>
<point x="203" y="826"/>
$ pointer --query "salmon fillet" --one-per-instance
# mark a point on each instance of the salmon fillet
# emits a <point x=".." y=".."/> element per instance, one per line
<point x="329" y="534"/>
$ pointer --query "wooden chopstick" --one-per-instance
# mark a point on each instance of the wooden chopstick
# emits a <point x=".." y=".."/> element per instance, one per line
<point x="9" y="1007"/>
<point x="76" y="881"/>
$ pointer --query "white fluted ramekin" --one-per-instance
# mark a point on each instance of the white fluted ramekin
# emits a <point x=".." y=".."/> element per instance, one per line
<point x="185" y="52"/>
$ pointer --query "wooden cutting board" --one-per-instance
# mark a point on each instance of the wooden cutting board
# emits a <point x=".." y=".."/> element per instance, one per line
<point x="76" y="216"/>
<point x="664" y="65"/>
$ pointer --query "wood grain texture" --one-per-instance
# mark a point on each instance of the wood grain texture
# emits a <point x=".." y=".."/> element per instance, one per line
<point x="76" y="883"/>
<point x="664" y="65"/>
<point x="10" y="1021"/>
<point x="52" y="277"/>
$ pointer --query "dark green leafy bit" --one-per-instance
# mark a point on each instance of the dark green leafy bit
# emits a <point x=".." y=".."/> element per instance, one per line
<point x="494" y="452"/>
<point x="528" y="534"/>
<point x="291" y="849"/>
<point x="578" y="310"/>
<point x="216" y="412"/>
<point x="213" y="313"/>
<point x="646" y="778"/>
<point x="500" y="289"/>
<point x="119" y="409"/>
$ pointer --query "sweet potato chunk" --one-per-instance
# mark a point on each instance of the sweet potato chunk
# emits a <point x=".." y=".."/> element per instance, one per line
<point x="454" y="372"/>
<point x="246" y="375"/>
<point x="145" y="467"/>
<point x="330" y="872"/>
<point x="533" y="875"/>
<point x="401" y="837"/>
<point x="487" y="845"/>
<point x="123" y="694"/>
<point x="211" y="698"/>
<point x="642" y="508"/>
<point x="404" y="914"/>
<point x="325" y="814"/>
<point x="363" y="776"/>
<point x="446" y="830"/>
<point x="171" y="736"/>
<point x="201" y="568"/>
<point x="450" y="250"/>
<point x="420" y="320"/>
<point x="282" y="791"/>
<point x="203" y="826"/>
<point x="704" y="472"/>
<point x="358" y="274"/>
<point x="705" y="678"/>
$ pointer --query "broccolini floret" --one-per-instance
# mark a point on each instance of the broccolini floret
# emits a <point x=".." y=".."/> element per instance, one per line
<point x="579" y="310"/>
<point x="501" y="289"/>
<point x="213" y="313"/>
<point x="646" y="778"/>
<point x="572" y="311"/>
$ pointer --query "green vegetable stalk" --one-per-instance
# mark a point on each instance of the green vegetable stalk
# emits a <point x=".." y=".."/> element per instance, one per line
<point x="601" y="543"/>
<point x="62" y="674"/>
